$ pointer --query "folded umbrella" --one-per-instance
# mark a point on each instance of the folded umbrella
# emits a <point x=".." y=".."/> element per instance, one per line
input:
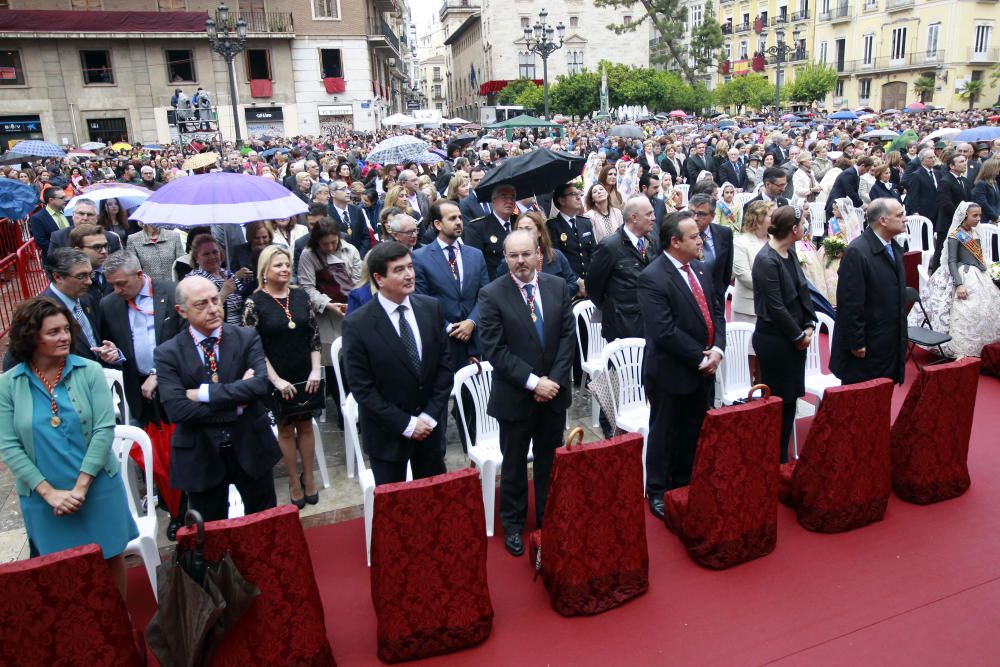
<point x="537" y="172"/>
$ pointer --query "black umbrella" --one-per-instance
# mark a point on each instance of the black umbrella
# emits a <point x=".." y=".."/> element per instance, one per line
<point x="537" y="172"/>
<point x="627" y="130"/>
<point x="462" y="139"/>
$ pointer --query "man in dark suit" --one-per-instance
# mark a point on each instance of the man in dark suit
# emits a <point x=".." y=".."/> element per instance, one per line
<point x="396" y="356"/>
<point x="733" y="171"/>
<point x="212" y="379"/>
<point x="869" y="340"/>
<point x="615" y="268"/>
<point x="571" y="233"/>
<point x="717" y="243"/>
<point x="649" y="185"/>
<point x="453" y="274"/>
<point x="779" y="149"/>
<point x="954" y="189"/>
<point x="350" y="218"/>
<point x="50" y="219"/>
<point x="673" y="165"/>
<point x="921" y="185"/>
<point x="91" y="241"/>
<point x="775" y="182"/>
<point x="487" y="234"/>
<point x="84" y="212"/>
<point x="847" y="184"/>
<point x="698" y="162"/>
<point x="527" y="333"/>
<point x="470" y="206"/>
<point x="417" y="199"/>
<point x="685" y="338"/>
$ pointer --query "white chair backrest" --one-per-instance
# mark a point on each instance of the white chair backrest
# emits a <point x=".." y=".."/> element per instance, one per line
<point x="923" y="279"/>
<point x="683" y="189"/>
<point x="125" y="438"/>
<point x="116" y="383"/>
<point x="813" y="364"/>
<point x="625" y="358"/>
<point x="477" y="380"/>
<point x="595" y="342"/>
<point x="351" y="430"/>
<point x="817" y="218"/>
<point x="991" y="236"/>
<point x="920" y="232"/>
<point x="741" y="198"/>
<point x="827" y="322"/>
<point x="335" y="349"/>
<point x="736" y="363"/>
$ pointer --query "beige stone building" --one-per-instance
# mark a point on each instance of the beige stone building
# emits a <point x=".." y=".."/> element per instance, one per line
<point x="73" y="71"/>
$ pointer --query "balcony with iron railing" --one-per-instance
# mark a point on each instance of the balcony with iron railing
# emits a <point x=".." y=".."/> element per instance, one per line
<point x="802" y="15"/>
<point x="895" y="5"/>
<point x="842" y="12"/>
<point x="793" y="56"/>
<point x="727" y="28"/>
<point x="269" y="23"/>
<point x="985" y="56"/>
<point x="381" y="35"/>
<point x="741" y="27"/>
<point x="884" y="64"/>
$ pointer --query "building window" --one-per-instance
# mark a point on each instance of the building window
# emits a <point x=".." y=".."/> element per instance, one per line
<point x="258" y="64"/>
<point x="823" y="48"/>
<point x="696" y="14"/>
<point x="437" y="73"/>
<point x="729" y="50"/>
<point x="326" y="9"/>
<point x="824" y="7"/>
<point x="331" y="64"/>
<point x="864" y="89"/>
<point x="870" y="4"/>
<point x="868" y="49"/>
<point x="933" y="33"/>
<point x="982" y="41"/>
<point x="436" y="91"/>
<point x="171" y="5"/>
<point x="746" y="19"/>
<point x="574" y="62"/>
<point x="526" y="65"/>
<point x="897" y="50"/>
<point x="744" y="48"/>
<point x="180" y="66"/>
<point x="627" y="20"/>
<point x="85" y="4"/>
<point x="525" y="22"/>
<point x="11" y="72"/>
<point x="574" y="21"/>
<point x="838" y="90"/>
<point x="96" y="67"/>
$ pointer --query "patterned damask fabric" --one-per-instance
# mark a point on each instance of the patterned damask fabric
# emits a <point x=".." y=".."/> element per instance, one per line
<point x="930" y="437"/>
<point x="285" y="625"/>
<point x="594" y="555"/>
<point x="729" y="513"/>
<point x="428" y="573"/>
<point x="64" y="609"/>
<point x="843" y="477"/>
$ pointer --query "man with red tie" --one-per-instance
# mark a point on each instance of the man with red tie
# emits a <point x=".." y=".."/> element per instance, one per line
<point x="685" y="336"/>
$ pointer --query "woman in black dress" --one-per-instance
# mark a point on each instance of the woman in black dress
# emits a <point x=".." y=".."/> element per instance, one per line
<point x="284" y="319"/>
<point x="786" y="321"/>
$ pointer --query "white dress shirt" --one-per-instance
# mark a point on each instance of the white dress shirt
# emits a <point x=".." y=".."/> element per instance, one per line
<point x="391" y="309"/>
<point x="680" y="268"/>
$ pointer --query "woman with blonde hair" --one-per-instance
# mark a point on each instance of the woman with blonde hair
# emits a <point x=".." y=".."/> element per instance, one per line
<point x="396" y="198"/>
<point x="286" y="323"/>
<point x="605" y="218"/>
<point x="746" y="246"/>
<point x="458" y="187"/>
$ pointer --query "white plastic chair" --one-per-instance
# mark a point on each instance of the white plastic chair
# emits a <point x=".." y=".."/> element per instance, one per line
<point x="740" y="199"/>
<point x="116" y="383"/>
<point x="923" y="279"/>
<point x="590" y="359"/>
<point x="623" y="357"/>
<point x="144" y="546"/>
<point x="990" y="235"/>
<point x="366" y="480"/>
<point x="735" y="368"/>
<point x="335" y="349"/>
<point x="921" y="236"/>
<point x="477" y="379"/>
<point x="816" y="381"/>
<point x="236" y="509"/>
<point x="730" y="293"/>
<point x="817" y="218"/>
<point x="683" y="189"/>
<point x="324" y="473"/>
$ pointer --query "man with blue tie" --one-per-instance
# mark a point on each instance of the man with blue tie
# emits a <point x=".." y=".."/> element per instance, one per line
<point x="471" y="206"/>
<point x="733" y="170"/>
<point x="717" y="243"/>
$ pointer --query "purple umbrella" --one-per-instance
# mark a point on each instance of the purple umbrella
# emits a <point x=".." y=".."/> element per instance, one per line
<point x="789" y="116"/>
<point x="219" y="198"/>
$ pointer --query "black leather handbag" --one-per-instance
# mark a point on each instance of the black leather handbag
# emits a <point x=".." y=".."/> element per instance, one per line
<point x="301" y="403"/>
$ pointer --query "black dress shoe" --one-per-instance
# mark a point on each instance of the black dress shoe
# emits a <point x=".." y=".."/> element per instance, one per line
<point x="514" y="544"/>
<point x="173" y="527"/>
<point x="314" y="498"/>
<point x="656" y="507"/>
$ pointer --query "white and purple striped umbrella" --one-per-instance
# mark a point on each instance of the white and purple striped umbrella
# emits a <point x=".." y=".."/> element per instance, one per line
<point x="219" y="198"/>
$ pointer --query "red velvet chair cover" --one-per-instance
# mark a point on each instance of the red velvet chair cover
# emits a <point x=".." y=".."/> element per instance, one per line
<point x="334" y="84"/>
<point x="593" y="547"/>
<point x="991" y="360"/>
<point x="428" y="573"/>
<point x="930" y="437"/>
<point x="64" y="609"/>
<point x="911" y="261"/>
<point x="260" y="88"/>
<point x="729" y="513"/>
<point x="285" y="625"/>
<point x="843" y="478"/>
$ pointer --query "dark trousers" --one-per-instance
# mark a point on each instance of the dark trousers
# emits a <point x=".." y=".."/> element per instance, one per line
<point x="257" y="494"/>
<point x="782" y="369"/>
<point x="545" y="428"/>
<point x="940" y="238"/>
<point x="674" y="426"/>
<point x="425" y="461"/>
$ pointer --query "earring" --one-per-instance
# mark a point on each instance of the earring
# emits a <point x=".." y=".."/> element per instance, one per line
<point x="265" y="279"/>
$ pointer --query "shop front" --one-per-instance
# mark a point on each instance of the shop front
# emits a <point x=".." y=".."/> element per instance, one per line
<point x="19" y="128"/>
<point x="108" y="131"/>
<point x="262" y="121"/>
<point x="335" y="118"/>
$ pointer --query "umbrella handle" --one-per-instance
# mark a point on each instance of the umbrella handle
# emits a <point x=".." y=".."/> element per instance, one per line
<point x="193" y="517"/>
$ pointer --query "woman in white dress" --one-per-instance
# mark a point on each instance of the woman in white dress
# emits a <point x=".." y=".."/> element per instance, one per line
<point x="960" y="298"/>
<point x="746" y="246"/>
<point x="805" y="187"/>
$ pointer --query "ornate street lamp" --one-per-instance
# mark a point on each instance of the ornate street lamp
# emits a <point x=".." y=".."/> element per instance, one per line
<point x="228" y="44"/>
<point x="780" y="51"/>
<point x="543" y="43"/>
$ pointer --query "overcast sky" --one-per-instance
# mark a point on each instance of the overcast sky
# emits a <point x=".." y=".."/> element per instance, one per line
<point x="422" y="13"/>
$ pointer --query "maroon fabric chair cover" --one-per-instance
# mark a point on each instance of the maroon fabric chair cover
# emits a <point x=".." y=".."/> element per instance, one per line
<point x="285" y="625"/>
<point x="428" y="571"/>
<point x="843" y="478"/>
<point x="991" y="360"/>
<point x="911" y="261"/>
<point x="260" y="88"/>
<point x="729" y="513"/>
<point x="593" y="547"/>
<point x="930" y="437"/>
<point x="64" y="609"/>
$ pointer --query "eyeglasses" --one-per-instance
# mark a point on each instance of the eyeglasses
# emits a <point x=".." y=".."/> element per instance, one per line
<point x="80" y="276"/>
<point x="408" y="232"/>
<point x="702" y="214"/>
<point x="97" y="247"/>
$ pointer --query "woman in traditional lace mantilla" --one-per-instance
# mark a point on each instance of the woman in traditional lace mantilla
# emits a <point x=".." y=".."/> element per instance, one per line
<point x="960" y="298"/>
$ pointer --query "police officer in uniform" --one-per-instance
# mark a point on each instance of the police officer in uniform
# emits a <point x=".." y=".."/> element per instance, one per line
<point x="572" y="233"/>
<point x="487" y="233"/>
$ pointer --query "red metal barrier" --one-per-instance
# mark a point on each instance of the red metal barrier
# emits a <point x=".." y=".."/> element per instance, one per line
<point x="13" y="234"/>
<point x="22" y="276"/>
<point x="30" y="270"/>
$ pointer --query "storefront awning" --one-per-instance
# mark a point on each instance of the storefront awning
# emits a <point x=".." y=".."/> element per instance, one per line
<point x="41" y="20"/>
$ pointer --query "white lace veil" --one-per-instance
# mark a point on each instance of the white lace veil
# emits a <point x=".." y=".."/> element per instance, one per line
<point x="960" y="212"/>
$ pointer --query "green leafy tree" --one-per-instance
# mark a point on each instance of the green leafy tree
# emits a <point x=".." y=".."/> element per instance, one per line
<point x="706" y="41"/>
<point x="751" y="91"/>
<point x="513" y="89"/>
<point x="812" y="83"/>
<point x="924" y="86"/>
<point x="576" y="95"/>
<point x="994" y="79"/>
<point x="533" y="98"/>
<point x="971" y="91"/>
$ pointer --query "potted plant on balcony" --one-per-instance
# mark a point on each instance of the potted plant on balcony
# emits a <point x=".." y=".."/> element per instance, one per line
<point x="758" y="63"/>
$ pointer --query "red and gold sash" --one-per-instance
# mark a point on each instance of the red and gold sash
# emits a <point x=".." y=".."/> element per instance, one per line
<point x="971" y="242"/>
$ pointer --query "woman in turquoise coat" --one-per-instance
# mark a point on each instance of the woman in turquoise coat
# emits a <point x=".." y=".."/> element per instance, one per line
<point x="57" y="428"/>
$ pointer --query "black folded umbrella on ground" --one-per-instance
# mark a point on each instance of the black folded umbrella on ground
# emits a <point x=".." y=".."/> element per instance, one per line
<point x="535" y="173"/>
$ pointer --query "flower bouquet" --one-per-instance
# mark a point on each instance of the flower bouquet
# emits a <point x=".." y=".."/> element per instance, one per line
<point x="833" y="248"/>
<point x="994" y="272"/>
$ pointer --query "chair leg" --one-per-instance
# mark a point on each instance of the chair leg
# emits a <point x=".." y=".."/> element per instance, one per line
<point x="595" y="411"/>
<point x="151" y="559"/>
<point x="489" y="480"/>
<point x="645" y="438"/>
<point x="324" y="473"/>
<point x="369" y="501"/>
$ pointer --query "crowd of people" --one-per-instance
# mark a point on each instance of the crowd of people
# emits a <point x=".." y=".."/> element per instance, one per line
<point x="215" y="327"/>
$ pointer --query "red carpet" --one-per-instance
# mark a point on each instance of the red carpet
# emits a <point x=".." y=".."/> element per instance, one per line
<point x="920" y="588"/>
